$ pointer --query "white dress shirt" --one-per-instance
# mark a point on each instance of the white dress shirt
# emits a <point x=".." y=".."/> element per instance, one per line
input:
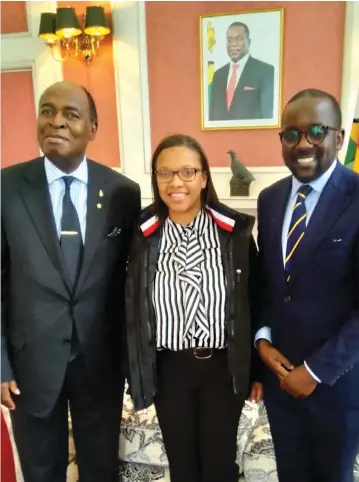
<point x="310" y="203"/>
<point x="241" y="63"/>
<point x="78" y="192"/>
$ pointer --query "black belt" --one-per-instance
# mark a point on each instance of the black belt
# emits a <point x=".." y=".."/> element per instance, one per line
<point x="200" y="352"/>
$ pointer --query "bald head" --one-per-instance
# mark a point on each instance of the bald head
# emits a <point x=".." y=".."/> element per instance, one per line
<point x="65" y="124"/>
<point x="63" y="85"/>
<point x="72" y="85"/>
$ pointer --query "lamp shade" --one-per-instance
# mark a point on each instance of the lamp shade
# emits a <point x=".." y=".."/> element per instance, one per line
<point x="67" y="24"/>
<point x="95" y="23"/>
<point x="47" y="27"/>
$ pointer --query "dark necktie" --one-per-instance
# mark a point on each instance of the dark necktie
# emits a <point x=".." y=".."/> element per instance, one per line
<point x="297" y="228"/>
<point x="70" y="239"/>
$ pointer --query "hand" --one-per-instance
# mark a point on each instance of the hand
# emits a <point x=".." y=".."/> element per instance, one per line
<point x="299" y="383"/>
<point x="8" y="388"/>
<point x="278" y="363"/>
<point x="256" y="392"/>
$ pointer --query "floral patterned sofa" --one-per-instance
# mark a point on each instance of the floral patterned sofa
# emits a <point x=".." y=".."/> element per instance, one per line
<point x="143" y="458"/>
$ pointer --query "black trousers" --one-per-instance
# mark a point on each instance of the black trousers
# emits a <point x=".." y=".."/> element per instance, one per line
<point x="199" y="415"/>
<point x="315" y="439"/>
<point x="42" y="443"/>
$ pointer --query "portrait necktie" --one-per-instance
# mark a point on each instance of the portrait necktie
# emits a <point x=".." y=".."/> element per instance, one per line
<point x="70" y="239"/>
<point x="297" y="228"/>
<point x="232" y="85"/>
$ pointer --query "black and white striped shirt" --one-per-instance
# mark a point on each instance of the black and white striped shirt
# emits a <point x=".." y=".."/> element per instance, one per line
<point x="189" y="292"/>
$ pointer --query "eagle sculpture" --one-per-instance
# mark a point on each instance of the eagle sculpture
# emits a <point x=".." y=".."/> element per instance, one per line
<point x="241" y="177"/>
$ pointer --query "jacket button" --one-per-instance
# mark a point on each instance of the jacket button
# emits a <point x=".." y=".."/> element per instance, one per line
<point x="287" y="299"/>
<point x="66" y="341"/>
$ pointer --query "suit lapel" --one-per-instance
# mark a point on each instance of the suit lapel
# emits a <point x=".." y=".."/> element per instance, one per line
<point x="224" y="75"/>
<point x="246" y="79"/>
<point x="247" y="75"/>
<point x="332" y="202"/>
<point x="35" y="194"/>
<point x="278" y="208"/>
<point x="224" y="237"/>
<point x="97" y="210"/>
<point x="223" y="88"/>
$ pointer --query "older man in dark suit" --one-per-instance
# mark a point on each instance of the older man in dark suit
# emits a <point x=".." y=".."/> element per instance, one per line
<point x="243" y="88"/>
<point x="308" y="236"/>
<point x="66" y="224"/>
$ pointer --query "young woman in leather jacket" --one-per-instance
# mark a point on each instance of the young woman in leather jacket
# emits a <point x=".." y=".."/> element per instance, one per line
<point x="191" y="293"/>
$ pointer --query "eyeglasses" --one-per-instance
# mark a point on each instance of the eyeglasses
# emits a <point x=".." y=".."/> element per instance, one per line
<point x="315" y="135"/>
<point x="186" y="175"/>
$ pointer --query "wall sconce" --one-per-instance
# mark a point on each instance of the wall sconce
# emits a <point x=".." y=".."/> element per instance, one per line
<point x="62" y="32"/>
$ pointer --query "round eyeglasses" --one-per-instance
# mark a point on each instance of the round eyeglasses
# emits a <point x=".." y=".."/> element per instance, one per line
<point x="315" y="135"/>
<point x="186" y="175"/>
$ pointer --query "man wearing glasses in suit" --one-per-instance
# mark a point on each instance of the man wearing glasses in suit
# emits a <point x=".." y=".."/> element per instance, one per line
<point x="308" y="237"/>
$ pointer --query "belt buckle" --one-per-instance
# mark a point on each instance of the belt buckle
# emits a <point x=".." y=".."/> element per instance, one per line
<point x="202" y="348"/>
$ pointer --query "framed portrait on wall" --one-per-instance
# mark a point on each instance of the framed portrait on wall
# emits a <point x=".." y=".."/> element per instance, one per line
<point x="241" y="69"/>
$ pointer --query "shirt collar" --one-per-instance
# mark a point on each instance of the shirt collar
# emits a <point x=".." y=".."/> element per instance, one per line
<point x="241" y="62"/>
<point x="199" y="223"/>
<point x="318" y="184"/>
<point x="53" y="173"/>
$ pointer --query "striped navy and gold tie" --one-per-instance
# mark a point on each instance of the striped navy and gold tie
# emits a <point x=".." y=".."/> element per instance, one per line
<point x="297" y="227"/>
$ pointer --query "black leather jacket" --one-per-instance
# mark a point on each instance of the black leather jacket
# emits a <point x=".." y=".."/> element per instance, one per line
<point x="239" y="253"/>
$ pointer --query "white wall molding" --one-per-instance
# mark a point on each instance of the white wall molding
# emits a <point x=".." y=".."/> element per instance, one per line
<point x="350" y="73"/>
<point x="356" y="115"/>
<point x="131" y="77"/>
<point x="24" y="51"/>
<point x="255" y="169"/>
<point x="221" y="177"/>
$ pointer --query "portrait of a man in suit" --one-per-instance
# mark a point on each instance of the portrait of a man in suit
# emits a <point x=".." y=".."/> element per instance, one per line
<point x="244" y="87"/>
<point x="241" y="69"/>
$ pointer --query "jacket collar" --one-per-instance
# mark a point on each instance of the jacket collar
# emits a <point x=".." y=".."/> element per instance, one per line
<point x="223" y="216"/>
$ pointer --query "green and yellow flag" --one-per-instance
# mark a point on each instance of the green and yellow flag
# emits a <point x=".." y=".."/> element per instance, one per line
<point x="210" y="73"/>
<point x="352" y="156"/>
<point x="211" y="42"/>
<point x="211" y="39"/>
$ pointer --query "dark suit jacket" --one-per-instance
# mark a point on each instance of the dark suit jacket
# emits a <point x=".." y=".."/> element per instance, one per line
<point x="253" y="97"/>
<point x="38" y="305"/>
<point x="316" y="316"/>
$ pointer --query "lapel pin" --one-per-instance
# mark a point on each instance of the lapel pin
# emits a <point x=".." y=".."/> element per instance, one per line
<point x="99" y="206"/>
<point x="100" y="193"/>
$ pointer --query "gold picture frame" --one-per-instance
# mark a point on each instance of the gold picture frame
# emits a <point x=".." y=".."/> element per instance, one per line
<point x="250" y="97"/>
